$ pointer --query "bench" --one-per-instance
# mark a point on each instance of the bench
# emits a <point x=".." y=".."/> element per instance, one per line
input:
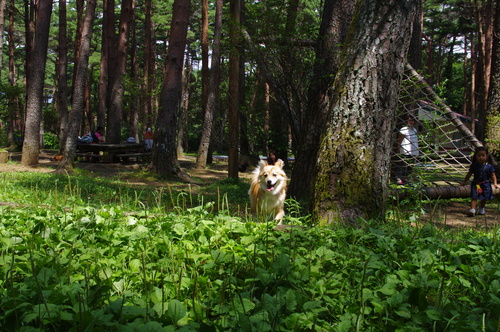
<point x="136" y="155"/>
<point x="87" y="155"/>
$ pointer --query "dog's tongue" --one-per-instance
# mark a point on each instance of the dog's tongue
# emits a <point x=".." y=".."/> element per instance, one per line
<point x="270" y="187"/>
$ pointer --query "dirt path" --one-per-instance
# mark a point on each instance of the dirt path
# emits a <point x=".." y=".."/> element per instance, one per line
<point x="445" y="213"/>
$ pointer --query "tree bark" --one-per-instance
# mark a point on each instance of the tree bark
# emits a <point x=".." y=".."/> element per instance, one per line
<point x="3" y="4"/>
<point x="353" y="162"/>
<point x="333" y="32"/>
<point x="34" y="102"/>
<point x="14" y="100"/>
<point x="493" y="115"/>
<point x="149" y="63"/>
<point x="164" y="159"/>
<point x="115" y="112"/>
<point x="213" y="90"/>
<point x="62" y="77"/>
<point x="80" y="82"/>
<point x="234" y="57"/>
<point x="484" y="15"/>
<point x="182" y="134"/>
<point x="107" y="45"/>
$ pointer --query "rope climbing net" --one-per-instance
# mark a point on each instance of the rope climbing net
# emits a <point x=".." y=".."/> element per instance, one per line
<point x="445" y="142"/>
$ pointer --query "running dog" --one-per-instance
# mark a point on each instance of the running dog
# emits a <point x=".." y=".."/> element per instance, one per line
<point x="268" y="190"/>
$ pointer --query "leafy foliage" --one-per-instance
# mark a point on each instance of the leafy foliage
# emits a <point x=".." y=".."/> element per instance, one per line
<point x="80" y="254"/>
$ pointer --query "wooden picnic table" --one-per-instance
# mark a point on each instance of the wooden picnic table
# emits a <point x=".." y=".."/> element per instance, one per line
<point x="111" y="152"/>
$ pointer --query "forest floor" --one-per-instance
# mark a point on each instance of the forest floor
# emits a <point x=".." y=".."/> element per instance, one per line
<point x="446" y="213"/>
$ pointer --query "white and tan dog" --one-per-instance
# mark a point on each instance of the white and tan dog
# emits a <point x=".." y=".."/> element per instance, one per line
<point x="268" y="190"/>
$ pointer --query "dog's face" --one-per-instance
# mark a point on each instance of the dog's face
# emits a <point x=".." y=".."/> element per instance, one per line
<point x="272" y="178"/>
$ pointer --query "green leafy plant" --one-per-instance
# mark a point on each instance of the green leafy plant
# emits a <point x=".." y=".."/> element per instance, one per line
<point x="80" y="253"/>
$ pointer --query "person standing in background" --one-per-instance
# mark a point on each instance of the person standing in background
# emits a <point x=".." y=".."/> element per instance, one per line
<point x="408" y="149"/>
<point x="148" y="139"/>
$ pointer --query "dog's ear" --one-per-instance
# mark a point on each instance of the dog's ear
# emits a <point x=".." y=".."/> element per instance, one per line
<point x="262" y="163"/>
<point x="280" y="163"/>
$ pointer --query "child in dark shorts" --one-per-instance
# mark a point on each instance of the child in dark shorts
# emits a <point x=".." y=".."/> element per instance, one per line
<point x="484" y="176"/>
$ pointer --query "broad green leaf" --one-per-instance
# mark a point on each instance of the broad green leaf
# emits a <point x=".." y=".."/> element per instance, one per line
<point x="433" y="314"/>
<point x="176" y="310"/>
<point x="135" y="265"/>
<point x="245" y="305"/>
<point x="403" y="312"/>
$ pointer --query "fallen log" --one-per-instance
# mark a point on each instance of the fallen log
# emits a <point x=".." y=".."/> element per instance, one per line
<point x="437" y="192"/>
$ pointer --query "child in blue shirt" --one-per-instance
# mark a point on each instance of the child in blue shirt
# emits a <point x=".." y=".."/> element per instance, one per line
<point x="481" y="186"/>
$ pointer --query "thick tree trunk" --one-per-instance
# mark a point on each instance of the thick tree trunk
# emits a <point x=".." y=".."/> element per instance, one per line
<point x="213" y="91"/>
<point x="333" y="31"/>
<point x="78" y="103"/>
<point x="164" y="160"/>
<point x="354" y="161"/>
<point x="34" y="101"/>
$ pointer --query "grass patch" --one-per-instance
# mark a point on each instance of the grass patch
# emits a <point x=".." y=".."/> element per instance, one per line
<point x="89" y="254"/>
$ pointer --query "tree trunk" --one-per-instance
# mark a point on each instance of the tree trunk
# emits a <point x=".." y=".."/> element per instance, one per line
<point x="333" y="31"/>
<point x="213" y="90"/>
<point x="484" y="14"/>
<point x="29" y="23"/>
<point x="133" y="117"/>
<point x="115" y="113"/>
<point x="164" y="159"/>
<point x="183" y="114"/>
<point x="149" y="63"/>
<point x="14" y="100"/>
<point x="205" y="71"/>
<point x="415" y="50"/>
<point x="354" y="161"/>
<point x="31" y="145"/>
<point x="3" y="4"/>
<point x="493" y="115"/>
<point x="108" y="42"/>
<point x="80" y="82"/>
<point x="234" y="65"/>
<point x="62" y="77"/>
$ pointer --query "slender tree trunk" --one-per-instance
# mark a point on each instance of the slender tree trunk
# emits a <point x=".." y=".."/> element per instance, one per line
<point x="62" y="77"/>
<point x="205" y="71"/>
<point x="234" y="66"/>
<point x="415" y="50"/>
<point x="3" y="4"/>
<point x="149" y="63"/>
<point x="135" y="102"/>
<point x="493" y="115"/>
<point x="29" y="23"/>
<point x="115" y="113"/>
<point x="108" y="42"/>
<point x="164" y="159"/>
<point x="354" y="161"/>
<point x="484" y="15"/>
<point x="213" y="91"/>
<point x="14" y="101"/>
<point x="78" y="103"/>
<point x="31" y="145"/>
<point x="183" y="114"/>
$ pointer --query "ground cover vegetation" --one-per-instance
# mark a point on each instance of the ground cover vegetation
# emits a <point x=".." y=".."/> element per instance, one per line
<point x="86" y="253"/>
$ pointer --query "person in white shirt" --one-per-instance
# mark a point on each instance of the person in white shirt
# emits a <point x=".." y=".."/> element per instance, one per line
<point x="408" y="149"/>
